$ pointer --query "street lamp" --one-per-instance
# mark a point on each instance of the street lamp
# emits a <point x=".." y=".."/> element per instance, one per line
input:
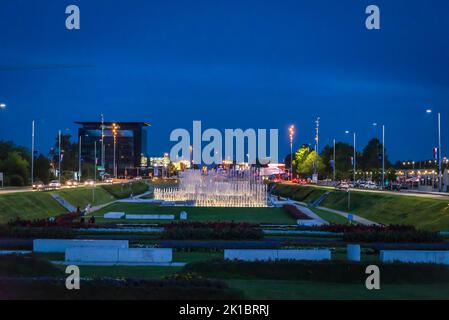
<point x="355" y="155"/>
<point x="114" y="133"/>
<point x="383" y="154"/>
<point x="2" y="106"/>
<point x="291" y="131"/>
<point x="440" y="174"/>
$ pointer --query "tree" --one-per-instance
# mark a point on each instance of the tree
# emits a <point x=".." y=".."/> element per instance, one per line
<point x="371" y="158"/>
<point x="42" y="169"/>
<point x="14" y="166"/>
<point x="306" y="162"/>
<point x="69" y="153"/>
<point x="343" y="165"/>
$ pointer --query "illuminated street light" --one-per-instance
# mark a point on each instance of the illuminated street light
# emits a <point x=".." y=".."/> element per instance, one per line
<point x="355" y="155"/>
<point x="114" y="133"/>
<point x="291" y="131"/>
<point x="440" y="165"/>
<point x="2" y="106"/>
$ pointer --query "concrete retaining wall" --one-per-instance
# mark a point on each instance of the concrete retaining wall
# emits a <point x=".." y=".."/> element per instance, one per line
<point x="266" y="255"/>
<point x="118" y="255"/>
<point x="60" y="245"/>
<point x="415" y="256"/>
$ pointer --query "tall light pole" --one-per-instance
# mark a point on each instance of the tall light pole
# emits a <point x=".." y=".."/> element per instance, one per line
<point x="335" y="161"/>
<point x="317" y="141"/>
<point x="355" y="155"/>
<point x="59" y="158"/>
<point x="95" y="171"/>
<point x="114" y="133"/>
<point x="32" y="153"/>
<point x="383" y="155"/>
<point x="79" y="157"/>
<point x="2" y="106"/>
<point x="102" y="141"/>
<point x="440" y="164"/>
<point x="291" y="133"/>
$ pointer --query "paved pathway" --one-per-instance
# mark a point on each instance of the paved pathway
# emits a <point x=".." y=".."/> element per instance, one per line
<point x="356" y="218"/>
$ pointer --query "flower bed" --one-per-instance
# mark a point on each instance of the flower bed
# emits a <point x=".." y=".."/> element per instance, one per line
<point x="295" y="212"/>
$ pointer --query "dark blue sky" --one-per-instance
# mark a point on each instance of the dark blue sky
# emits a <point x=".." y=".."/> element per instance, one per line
<point x="247" y="64"/>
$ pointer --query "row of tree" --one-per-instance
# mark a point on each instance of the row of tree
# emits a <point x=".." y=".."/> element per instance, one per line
<point x="306" y="162"/>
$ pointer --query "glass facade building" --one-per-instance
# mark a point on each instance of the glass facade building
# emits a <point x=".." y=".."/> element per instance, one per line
<point x="131" y="145"/>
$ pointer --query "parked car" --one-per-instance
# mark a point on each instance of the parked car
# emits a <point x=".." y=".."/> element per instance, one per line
<point x="344" y="185"/>
<point x="108" y="180"/>
<point x="137" y="178"/>
<point x="38" y="185"/>
<point x="71" y="183"/>
<point x="54" y="184"/>
<point x="89" y="182"/>
<point x="370" y="185"/>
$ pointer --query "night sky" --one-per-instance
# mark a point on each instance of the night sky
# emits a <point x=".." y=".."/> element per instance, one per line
<point x="231" y="64"/>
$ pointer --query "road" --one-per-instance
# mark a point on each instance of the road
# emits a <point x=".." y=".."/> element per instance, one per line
<point x="9" y="190"/>
<point x="408" y="193"/>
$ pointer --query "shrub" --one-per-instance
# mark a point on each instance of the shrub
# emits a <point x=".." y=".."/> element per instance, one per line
<point x="16" y="181"/>
<point x="295" y="212"/>
<point x="105" y="289"/>
<point x="410" y="236"/>
<point x="30" y="266"/>
<point x="33" y="233"/>
<point x="211" y="230"/>
<point x="325" y="271"/>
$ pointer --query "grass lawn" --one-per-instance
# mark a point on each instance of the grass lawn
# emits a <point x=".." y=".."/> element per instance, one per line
<point x="28" y="205"/>
<point x="423" y="213"/>
<point x="298" y="290"/>
<point x="330" y="217"/>
<point x="83" y="196"/>
<point x="125" y="190"/>
<point x="253" y="215"/>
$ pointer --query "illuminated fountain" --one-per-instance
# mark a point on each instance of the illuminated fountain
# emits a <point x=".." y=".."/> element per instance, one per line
<point x="222" y="188"/>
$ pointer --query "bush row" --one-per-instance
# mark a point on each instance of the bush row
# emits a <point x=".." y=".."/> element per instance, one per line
<point x="112" y="289"/>
<point x="34" y="233"/>
<point x="326" y="271"/>
<point x="295" y="212"/>
<point x="211" y="230"/>
<point x="393" y="236"/>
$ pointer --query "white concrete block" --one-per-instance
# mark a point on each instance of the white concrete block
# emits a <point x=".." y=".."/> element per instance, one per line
<point x="183" y="215"/>
<point x="119" y="255"/>
<point x="110" y="255"/>
<point x="150" y="216"/>
<point x="60" y="245"/>
<point x="415" y="256"/>
<point x="353" y="252"/>
<point x="145" y="255"/>
<point x="267" y="255"/>
<point x="114" y="215"/>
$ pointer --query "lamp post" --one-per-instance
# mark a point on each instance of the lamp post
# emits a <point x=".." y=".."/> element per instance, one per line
<point x="114" y="133"/>
<point x="79" y="158"/>
<point x="355" y="155"/>
<point x="32" y="153"/>
<point x="59" y="158"/>
<point x="383" y="155"/>
<point x="335" y="161"/>
<point x="2" y="106"/>
<point x="291" y="133"/>
<point x="440" y="166"/>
